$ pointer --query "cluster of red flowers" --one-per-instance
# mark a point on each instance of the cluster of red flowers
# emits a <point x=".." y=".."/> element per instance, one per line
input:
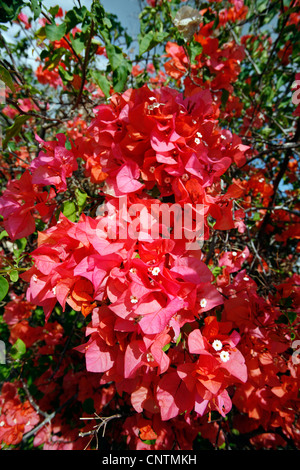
<point x="169" y="336"/>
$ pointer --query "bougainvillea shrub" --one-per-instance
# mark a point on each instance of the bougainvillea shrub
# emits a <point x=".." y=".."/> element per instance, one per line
<point x="150" y="220"/>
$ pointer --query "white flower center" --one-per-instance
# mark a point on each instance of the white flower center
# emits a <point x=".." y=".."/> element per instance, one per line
<point x="224" y="356"/>
<point x="150" y="358"/>
<point x="133" y="299"/>
<point x="217" y="345"/>
<point x="155" y="271"/>
<point x="203" y="303"/>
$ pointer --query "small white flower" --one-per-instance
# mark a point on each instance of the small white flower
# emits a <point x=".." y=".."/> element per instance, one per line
<point x="217" y="345"/>
<point x="2" y="424"/>
<point x="197" y="141"/>
<point x="54" y="290"/>
<point x="234" y="253"/>
<point x="261" y="180"/>
<point x="199" y="135"/>
<point x="246" y="278"/>
<point x="155" y="271"/>
<point x="154" y="105"/>
<point x="133" y="299"/>
<point x="194" y="121"/>
<point x="150" y="358"/>
<point x="34" y="278"/>
<point x="152" y="98"/>
<point x="223" y="137"/>
<point x="132" y="270"/>
<point x="203" y="303"/>
<point x="224" y="356"/>
<point x="185" y="177"/>
<point x="152" y="169"/>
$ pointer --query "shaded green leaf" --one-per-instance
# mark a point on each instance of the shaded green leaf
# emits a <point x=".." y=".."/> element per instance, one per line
<point x="14" y="275"/>
<point x="14" y="129"/>
<point x="6" y="78"/>
<point x="18" y="349"/>
<point x="9" y="10"/>
<point x="4" y="286"/>
<point x="102" y="82"/>
<point x="54" y="32"/>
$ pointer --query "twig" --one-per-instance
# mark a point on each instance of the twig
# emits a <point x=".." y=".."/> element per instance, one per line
<point x="29" y="113"/>
<point x="278" y="178"/>
<point x="47" y="419"/>
<point x="97" y="427"/>
<point x="86" y="60"/>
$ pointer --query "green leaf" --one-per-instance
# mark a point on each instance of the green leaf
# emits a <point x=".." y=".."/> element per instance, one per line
<point x="69" y="210"/>
<point x="36" y="8"/>
<point x="120" y="76"/>
<point x="54" y="10"/>
<point x="3" y="234"/>
<point x="81" y="198"/>
<point x="150" y="40"/>
<point x="4" y="286"/>
<point x="114" y="55"/>
<point x="65" y="75"/>
<point x="102" y="82"/>
<point x="78" y="44"/>
<point x="75" y="16"/>
<point x="5" y="76"/>
<point x="21" y="244"/>
<point x="292" y="316"/>
<point x="9" y="10"/>
<point x="54" y="32"/>
<point x="217" y="271"/>
<point x="18" y="349"/>
<point x="14" y="275"/>
<point x="98" y="11"/>
<point x="14" y="129"/>
<point x="224" y="98"/>
<point x="149" y="442"/>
